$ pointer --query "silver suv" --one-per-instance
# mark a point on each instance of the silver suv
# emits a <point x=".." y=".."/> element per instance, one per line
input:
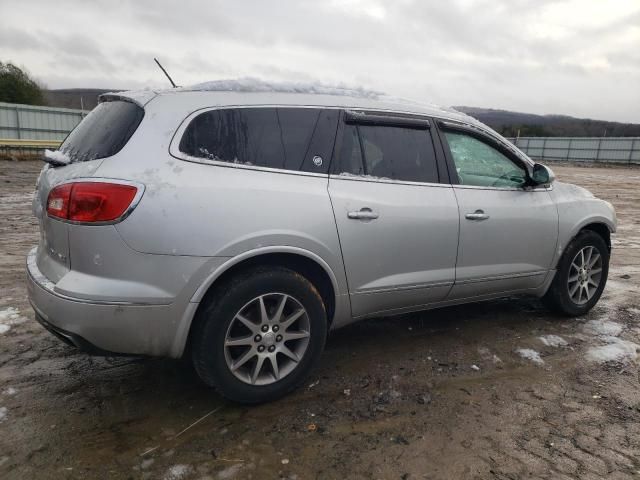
<point x="239" y="227"/>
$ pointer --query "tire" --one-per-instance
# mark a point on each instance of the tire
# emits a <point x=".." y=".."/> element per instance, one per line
<point x="222" y="323"/>
<point x="560" y="297"/>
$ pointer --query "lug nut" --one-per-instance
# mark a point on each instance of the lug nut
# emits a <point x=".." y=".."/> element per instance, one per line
<point x="265" y="328"/>
<point x="272" y="348"/>
<point x="257" y="338"/>
<point x="279" y="338"/>
<point x="276" y="328"/>
<point x="261" y="348"/>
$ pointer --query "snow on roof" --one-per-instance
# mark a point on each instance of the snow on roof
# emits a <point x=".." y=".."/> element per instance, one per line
<point x="249" y="84"/>
<point x="293" y="93"/>
<point x="255" y="85"/>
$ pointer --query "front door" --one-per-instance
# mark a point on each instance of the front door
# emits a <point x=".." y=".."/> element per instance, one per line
<point x="398" y="226"/>
<point x="508" y="233"/>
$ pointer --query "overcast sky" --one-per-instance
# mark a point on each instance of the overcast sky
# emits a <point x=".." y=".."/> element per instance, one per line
<point x="575" y="57"/>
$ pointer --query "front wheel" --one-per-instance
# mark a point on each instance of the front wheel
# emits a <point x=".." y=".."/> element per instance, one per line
<point x="581" y="276"/>
<point x="259" y="336"/>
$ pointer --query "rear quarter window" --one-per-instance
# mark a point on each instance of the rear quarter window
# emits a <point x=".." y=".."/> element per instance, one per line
<point x="104" y="132"/>
<point x="299" y="139"/>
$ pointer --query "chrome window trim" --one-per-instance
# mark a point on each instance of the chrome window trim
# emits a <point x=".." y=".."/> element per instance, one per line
<point x="134" y="203"/>
<point x="218" y="163"/>
<point x="367" y="178"/>
<point x="174" y="145"/>
<point x="506" y="189"/>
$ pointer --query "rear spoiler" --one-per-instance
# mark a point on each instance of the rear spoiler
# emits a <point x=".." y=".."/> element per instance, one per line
<point x="139" y="97"/>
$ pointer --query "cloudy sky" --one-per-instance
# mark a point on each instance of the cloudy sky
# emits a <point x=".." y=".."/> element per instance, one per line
<point x="576" y="57"/>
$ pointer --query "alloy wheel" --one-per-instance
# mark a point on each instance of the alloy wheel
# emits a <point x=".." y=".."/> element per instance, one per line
<point x="267" y="338"/>
<point x="585" y="275"/>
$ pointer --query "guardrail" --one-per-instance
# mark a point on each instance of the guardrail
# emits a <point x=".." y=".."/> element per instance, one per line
<point x="620" y="150"/>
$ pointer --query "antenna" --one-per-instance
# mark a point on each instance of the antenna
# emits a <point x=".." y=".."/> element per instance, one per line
<point x="165" y="72"/>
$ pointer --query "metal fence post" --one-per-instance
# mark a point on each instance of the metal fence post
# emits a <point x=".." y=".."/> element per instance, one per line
<point x="18" y="122"/>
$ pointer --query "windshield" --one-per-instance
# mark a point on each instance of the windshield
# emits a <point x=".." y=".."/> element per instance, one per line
<point x="103" y="132"/>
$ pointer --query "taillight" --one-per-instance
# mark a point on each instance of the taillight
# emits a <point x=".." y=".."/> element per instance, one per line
<point x="58" y="201"/>
<point x="90" y="202"/>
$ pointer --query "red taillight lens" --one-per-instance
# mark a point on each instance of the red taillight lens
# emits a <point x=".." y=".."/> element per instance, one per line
<point x="90" y="201"/>
<point x="58" y="201"/>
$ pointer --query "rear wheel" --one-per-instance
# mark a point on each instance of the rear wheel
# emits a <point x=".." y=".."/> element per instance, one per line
<point x="581" y="276"/>
<point x="259" y="336"/>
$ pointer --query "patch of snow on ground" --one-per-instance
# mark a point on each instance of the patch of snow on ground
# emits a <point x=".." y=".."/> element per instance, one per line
<point x="8" y="317"/>
<point x="178" y="472"/>
<point x="3" y="413"/>
<point x="553" y="341"/>
<point x="230" y="472"/>
<point x="616" y="350"/>
<point x="529" y="354"/>
<point x="603" y="327"/>
<point x="10" y="391"/>
<point x="9" y="314"/>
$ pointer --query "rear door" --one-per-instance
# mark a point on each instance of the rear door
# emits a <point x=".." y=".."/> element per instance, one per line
<point x="398" y="225"/>
<point x="508" y="231"/>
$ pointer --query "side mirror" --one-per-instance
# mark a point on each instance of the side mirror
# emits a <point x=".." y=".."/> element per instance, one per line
<point x="542" y="175"/>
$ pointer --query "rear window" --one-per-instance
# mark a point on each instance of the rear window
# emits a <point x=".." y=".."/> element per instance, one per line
<point x="103" y="132"/>
<point x="299" y="139"/>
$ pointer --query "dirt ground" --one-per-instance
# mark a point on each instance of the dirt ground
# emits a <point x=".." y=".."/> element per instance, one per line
<point x="452" y="393"/>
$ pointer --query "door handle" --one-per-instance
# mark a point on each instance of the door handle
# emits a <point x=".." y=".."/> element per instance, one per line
<point x="363" y="214"/>
<point x="478" y="215"/>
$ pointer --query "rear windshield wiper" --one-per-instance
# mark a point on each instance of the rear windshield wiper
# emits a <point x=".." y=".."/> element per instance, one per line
<point x="56" y="158"/>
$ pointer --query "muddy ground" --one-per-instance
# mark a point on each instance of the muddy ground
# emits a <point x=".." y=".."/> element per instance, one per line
<point x="442" y="394"/>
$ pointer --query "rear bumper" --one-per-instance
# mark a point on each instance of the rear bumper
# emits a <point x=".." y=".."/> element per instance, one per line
<point x="107" y="327"/>
<point x="72" y="339"/>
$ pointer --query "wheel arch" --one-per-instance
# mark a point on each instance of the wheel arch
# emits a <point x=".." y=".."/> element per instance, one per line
<point x="304" y="262"/>
<point x="601" y="225"/>
<point x="601" y="229"/>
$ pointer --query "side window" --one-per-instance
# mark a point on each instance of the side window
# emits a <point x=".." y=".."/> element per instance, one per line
<point x="479" y="164"/>
<point x="390" y="152"/>
<point x="287" y="138"/>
